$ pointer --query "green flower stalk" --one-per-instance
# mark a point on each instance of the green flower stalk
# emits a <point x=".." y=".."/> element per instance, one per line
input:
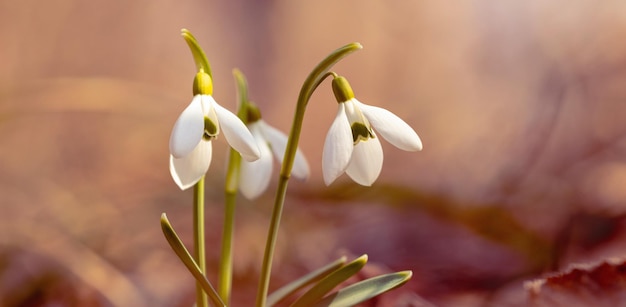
<point x="250" y="178"/>
<point x="225" y="273"/>
<point x="310" y="84"/>
<point x="190" y="146"/>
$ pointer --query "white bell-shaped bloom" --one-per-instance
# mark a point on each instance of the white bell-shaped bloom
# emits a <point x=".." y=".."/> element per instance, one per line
<point x="255" y="175"/>
<point x="351" y="144"/>
<point x="190" y="141"/>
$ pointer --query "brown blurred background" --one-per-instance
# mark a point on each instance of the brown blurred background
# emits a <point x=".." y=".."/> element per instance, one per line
<point x="519" y="105"/>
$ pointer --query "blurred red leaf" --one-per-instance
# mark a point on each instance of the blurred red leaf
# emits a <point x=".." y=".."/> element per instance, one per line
<point x="602" y="284"/>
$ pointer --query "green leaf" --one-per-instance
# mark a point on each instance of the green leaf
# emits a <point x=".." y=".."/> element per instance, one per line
<point x="184" y="255"/>
<point x="291" y="288"/>
<point x="364" y="290"/>
<point x="330" y="282"/>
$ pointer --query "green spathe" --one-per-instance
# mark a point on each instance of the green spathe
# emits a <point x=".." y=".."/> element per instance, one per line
<point x="202" y="63"/>
<point x="202" y="84"/>
<point x="342" y="89"/>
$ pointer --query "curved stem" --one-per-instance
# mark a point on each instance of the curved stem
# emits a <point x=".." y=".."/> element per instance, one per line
<point x="310" y="84"/>
<point x="198" y="238"/>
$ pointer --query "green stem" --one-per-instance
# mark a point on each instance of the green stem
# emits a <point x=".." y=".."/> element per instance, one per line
<point x="263" y="290"/>
<point x="310" y="84"/>
<point x="198" y="238"/>
<point x="232" y="183"/>
<point x="226" y="259"/>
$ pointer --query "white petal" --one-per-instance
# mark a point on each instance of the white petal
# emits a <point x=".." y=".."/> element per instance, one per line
<point x="255" y="176"/>
<point x="337" y="147"/>
<point x="237" y="134"/>
<point x="187" y="170"/>
<point x="278" y="144"/>
<point x="391" y="127"/>
<point x="188" y="129"/>
<point x="366" y="162"/>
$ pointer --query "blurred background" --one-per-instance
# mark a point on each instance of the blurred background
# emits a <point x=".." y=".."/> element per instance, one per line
<point x="519" y="105"/>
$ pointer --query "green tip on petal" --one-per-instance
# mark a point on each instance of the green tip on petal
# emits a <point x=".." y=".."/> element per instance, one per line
<point x="360" y="132"/>
<point x="199" y="57"/>
<point x="342" y="89"/>
<point x="202" y="84"/>
<point x="211" y="129"/>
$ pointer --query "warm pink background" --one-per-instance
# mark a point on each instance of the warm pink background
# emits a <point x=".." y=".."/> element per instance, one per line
<point x="520" y="106"/>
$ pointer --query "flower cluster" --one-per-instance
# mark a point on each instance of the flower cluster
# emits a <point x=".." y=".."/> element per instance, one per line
<point x="351" y="146"/>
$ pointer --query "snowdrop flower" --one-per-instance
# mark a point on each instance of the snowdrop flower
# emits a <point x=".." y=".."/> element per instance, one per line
<point x="197" y="125"/>
<point x="255" y="176"/>
<point x="351" y="144"/>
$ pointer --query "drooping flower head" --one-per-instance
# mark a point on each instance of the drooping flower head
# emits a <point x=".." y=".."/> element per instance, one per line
<point x="351" y="144"/>
<point x="255" y="175"/>
<point x="200" y="123"/>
